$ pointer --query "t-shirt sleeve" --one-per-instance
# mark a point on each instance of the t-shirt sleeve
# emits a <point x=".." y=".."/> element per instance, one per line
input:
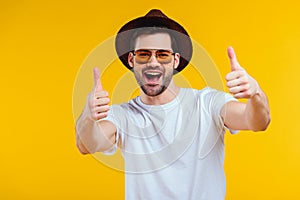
<point x="216" y="101"/>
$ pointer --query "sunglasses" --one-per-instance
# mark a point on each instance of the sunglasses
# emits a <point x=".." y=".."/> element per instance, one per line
<point x="163" y="56"/>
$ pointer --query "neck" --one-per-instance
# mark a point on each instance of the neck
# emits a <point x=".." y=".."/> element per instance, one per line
<point x="168" y="95"/>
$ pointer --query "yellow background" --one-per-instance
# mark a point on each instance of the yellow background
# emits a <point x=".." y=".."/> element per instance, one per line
<point x="43" y="44"/>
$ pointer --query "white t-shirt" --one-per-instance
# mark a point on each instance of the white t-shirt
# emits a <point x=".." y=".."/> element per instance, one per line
<point x="175" y="150"/>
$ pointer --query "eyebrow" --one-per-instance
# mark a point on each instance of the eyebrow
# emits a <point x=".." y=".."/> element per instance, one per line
<point x="154" y="49"/>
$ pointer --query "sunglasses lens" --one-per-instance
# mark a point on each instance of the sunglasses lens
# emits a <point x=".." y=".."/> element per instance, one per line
<point x="142" y="56"/>
<point x="164" y="56"/>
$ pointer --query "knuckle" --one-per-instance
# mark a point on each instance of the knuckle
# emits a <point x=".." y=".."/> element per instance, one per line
<point x="106" y="100"/>
<point x="101" y="93"/>
<point x="97" y="109"/>
<point x="247" y="93"/>
<point x="237" y="95"/>
<point x="242" y="72"/>
<point x="228" y="84"/>
<point x="104" y="114"/>
<point x="106" y="108"/>
<point x="246" y="79"/>
<point x="94" y="116"/>
<point x="227" y="77"/>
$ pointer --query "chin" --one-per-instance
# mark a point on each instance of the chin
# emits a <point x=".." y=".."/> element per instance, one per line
<point x="153" y="92"/>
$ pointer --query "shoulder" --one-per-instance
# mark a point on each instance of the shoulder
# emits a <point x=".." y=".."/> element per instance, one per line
<point x="213" y="99"/>
<point x="205" y="93"/>
<point x="209" y="93"/>
<point x="133" y="105"/>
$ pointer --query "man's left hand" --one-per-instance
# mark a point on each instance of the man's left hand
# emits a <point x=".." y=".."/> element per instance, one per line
<point x="239" y="82"/>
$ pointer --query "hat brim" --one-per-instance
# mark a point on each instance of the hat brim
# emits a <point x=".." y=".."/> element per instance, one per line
<point x="179" y="33"/>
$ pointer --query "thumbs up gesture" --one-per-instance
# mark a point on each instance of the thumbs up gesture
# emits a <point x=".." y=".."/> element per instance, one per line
<point x="239" y="82"/>
<point x="98" y="99"/>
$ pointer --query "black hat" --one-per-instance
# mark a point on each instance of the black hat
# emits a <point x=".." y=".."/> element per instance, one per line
<point x="154" y="18"/>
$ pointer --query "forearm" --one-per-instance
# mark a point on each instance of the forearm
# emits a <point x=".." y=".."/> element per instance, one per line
<point x="258" y="111"/>
<point x="90" y="135"/>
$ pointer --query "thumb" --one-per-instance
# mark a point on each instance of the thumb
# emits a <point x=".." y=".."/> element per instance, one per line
<point x="97" y="82"/>
<point x="233" y="60"/>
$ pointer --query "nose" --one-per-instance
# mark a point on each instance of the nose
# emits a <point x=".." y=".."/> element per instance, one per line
<point x="153" y="60"/>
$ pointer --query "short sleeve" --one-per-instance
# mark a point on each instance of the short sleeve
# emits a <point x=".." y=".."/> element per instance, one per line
<point x="216" y="100"/>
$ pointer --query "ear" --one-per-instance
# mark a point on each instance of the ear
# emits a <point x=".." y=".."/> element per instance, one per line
<point x="130" y="59"/>
<point x="176" y="60"/>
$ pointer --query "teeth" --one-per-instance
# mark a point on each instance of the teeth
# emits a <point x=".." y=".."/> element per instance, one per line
<point x="153" y="73"/>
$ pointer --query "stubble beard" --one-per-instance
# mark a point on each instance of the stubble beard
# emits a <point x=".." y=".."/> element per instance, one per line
<point x="166" y="78"/>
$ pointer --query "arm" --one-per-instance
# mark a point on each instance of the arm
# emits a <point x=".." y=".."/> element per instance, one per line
<point x="253" y="115"/>
<point x="93" y="135"/>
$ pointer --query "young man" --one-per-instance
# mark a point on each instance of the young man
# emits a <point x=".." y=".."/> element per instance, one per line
<point x="171" y="138"/>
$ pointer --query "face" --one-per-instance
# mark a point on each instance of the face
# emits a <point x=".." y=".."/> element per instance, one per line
<point x="153" y="75"/>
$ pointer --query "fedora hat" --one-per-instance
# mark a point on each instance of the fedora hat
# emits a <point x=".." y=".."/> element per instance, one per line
<point x="154" y="18"/>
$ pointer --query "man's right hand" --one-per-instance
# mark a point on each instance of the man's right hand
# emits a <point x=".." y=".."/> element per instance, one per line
<point x="93" y="135"/>
<point x="98" y="99"/>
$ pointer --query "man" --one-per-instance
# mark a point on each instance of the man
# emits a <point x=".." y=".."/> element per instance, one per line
<point x="171" y="138"/>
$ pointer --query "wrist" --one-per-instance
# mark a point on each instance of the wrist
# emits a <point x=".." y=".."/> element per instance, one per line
<point x="257" y="92"/>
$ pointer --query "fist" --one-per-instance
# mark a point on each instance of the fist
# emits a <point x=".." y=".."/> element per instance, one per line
<point x="238" y="81"/>
<point x="98" y="99"/>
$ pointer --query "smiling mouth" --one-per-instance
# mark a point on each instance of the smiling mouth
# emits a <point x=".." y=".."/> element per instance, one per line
<point x="152" y="77"/>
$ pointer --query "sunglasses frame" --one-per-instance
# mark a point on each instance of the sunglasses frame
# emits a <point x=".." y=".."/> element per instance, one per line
<point x="156" y="56"/>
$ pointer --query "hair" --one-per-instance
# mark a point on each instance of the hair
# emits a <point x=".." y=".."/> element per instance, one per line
<point x="152" y="30"/>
